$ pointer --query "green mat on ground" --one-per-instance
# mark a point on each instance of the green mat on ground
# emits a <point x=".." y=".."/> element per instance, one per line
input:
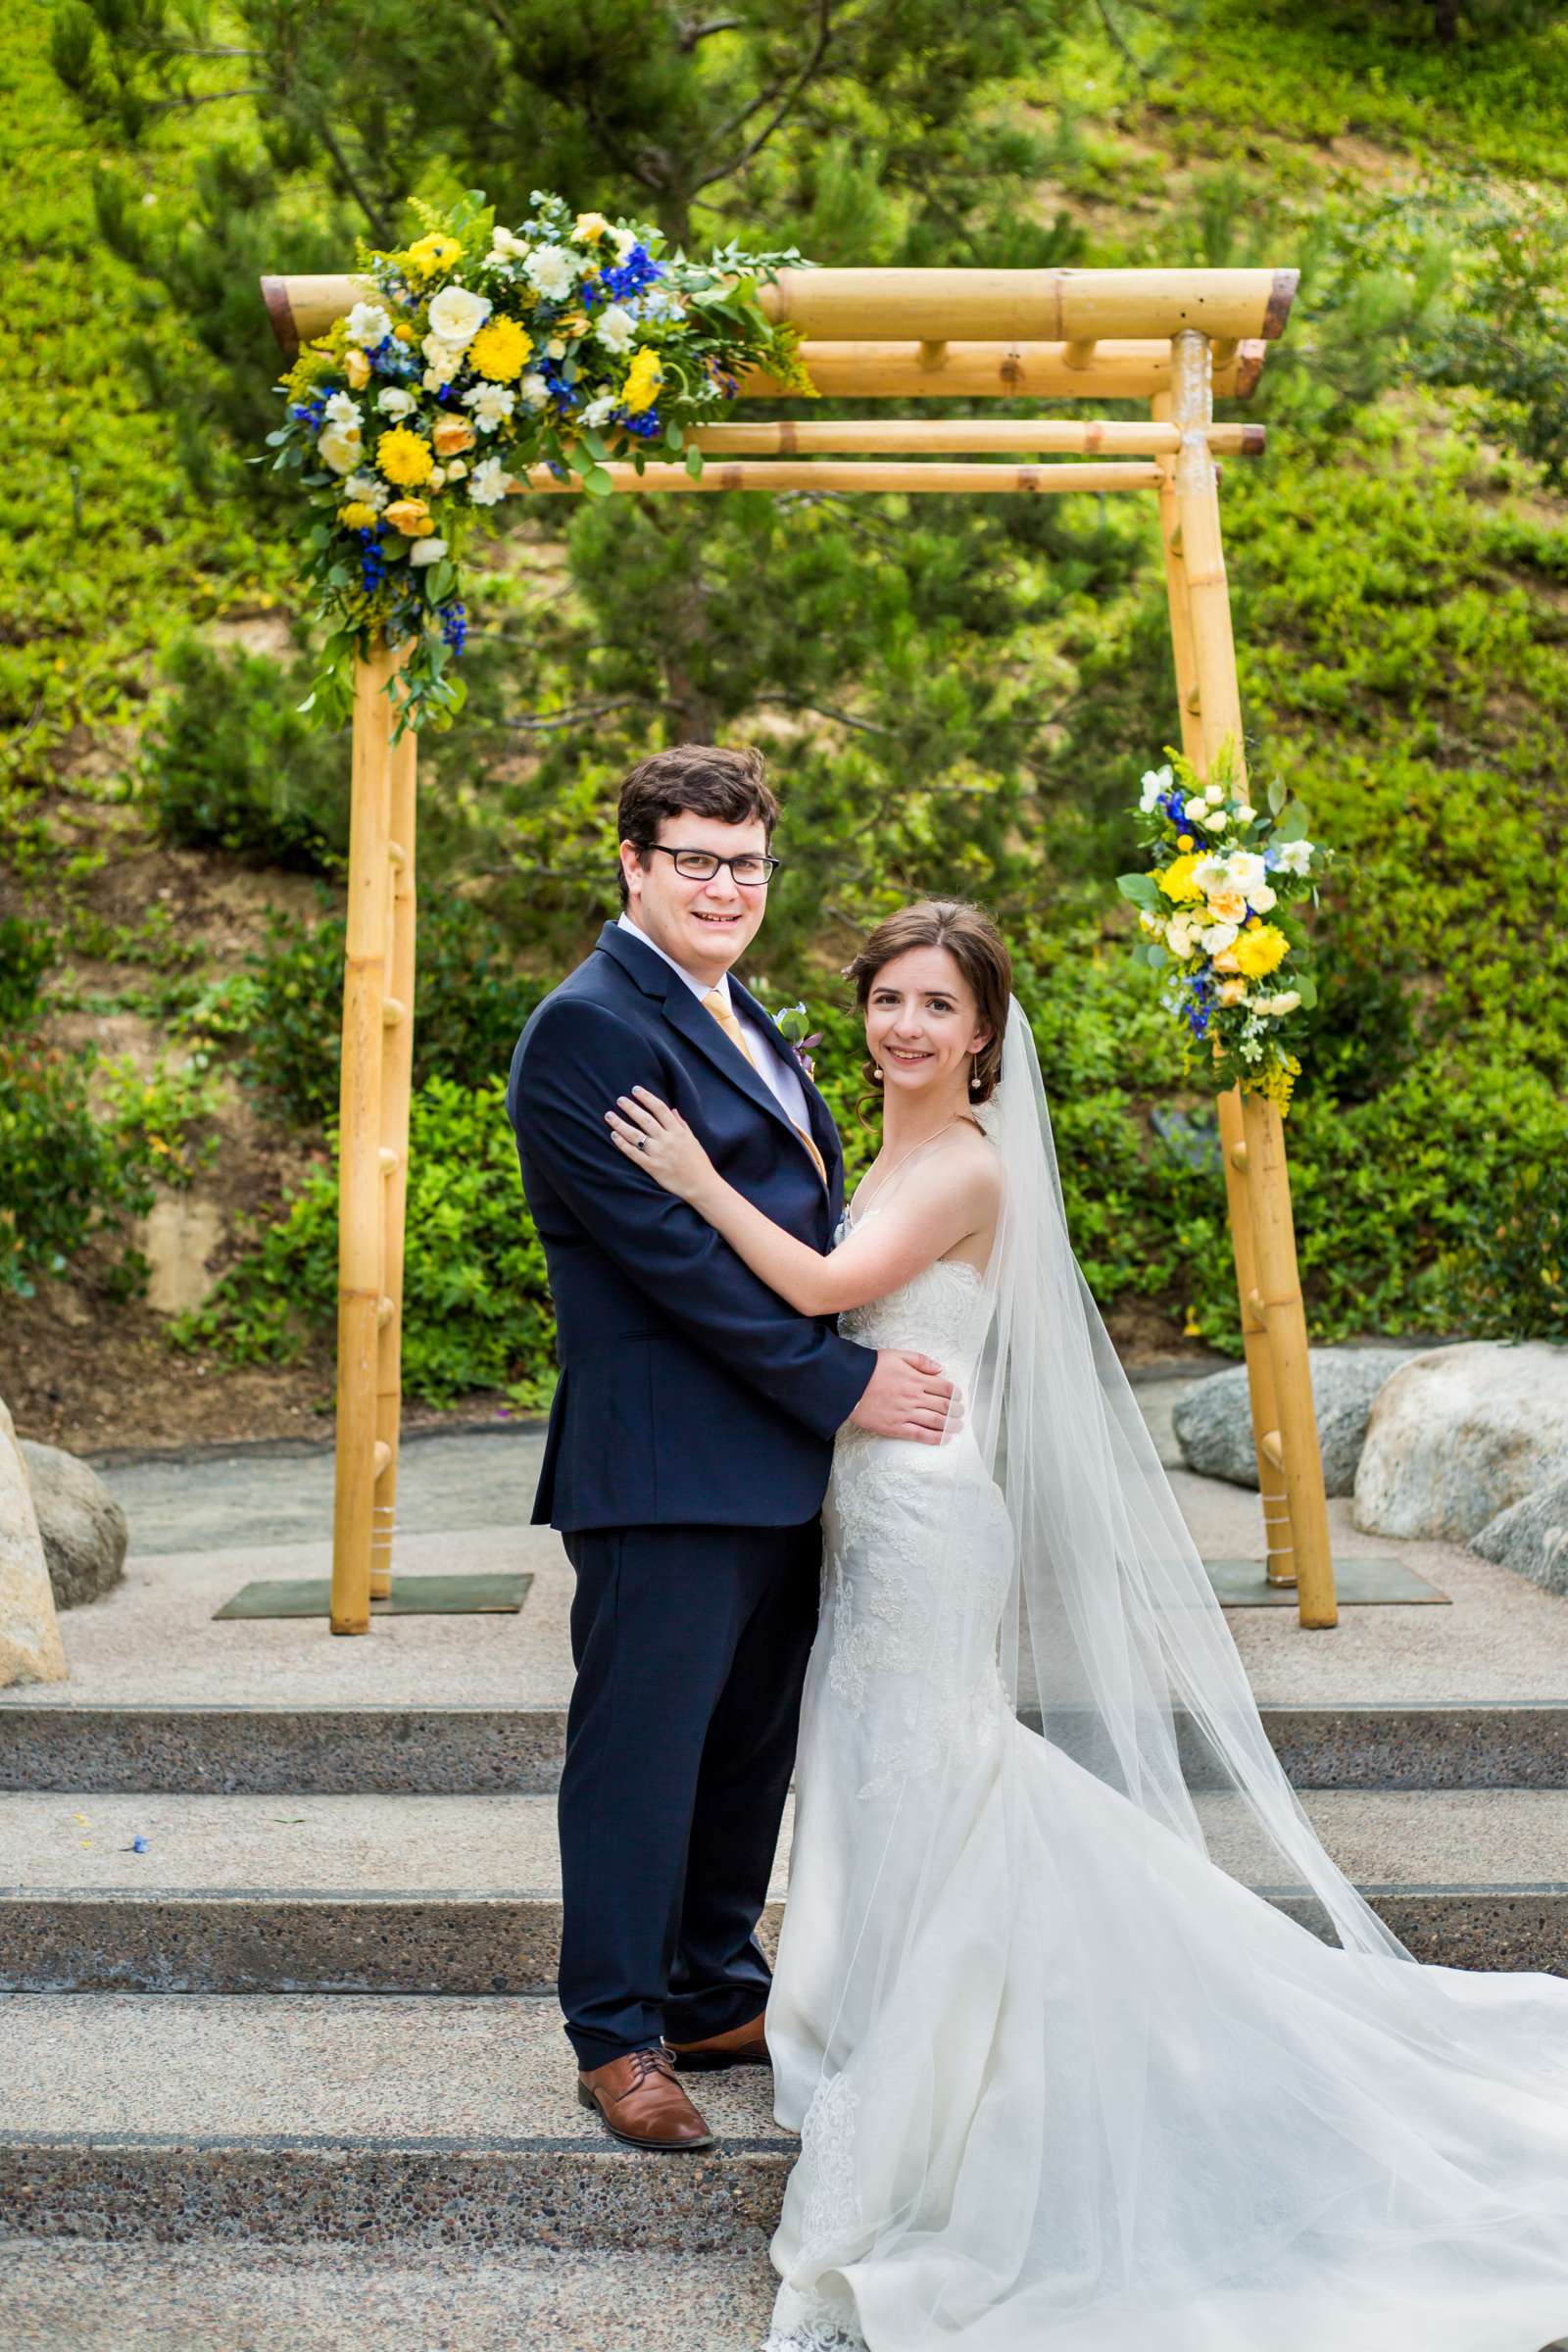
<point x="411" y="1597"/>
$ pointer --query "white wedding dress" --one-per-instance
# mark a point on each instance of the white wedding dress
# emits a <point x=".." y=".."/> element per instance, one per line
<point x="1063" y="2083"/>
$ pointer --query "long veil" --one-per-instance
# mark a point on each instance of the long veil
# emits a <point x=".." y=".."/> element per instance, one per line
<point x="1090" y="2043"/>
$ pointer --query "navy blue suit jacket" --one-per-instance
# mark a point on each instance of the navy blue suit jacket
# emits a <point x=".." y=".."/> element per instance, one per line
<point x="690" y="1393"/>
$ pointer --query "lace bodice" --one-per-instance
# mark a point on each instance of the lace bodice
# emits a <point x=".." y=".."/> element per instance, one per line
<point x="939" y="1312"/>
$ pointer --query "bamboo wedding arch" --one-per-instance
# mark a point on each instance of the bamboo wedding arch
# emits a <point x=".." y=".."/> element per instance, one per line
<point x="1174" y="339"/>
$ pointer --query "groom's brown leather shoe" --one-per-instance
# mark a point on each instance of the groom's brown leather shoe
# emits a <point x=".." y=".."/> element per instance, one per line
<point x="742" y="2045"/>
<point x="640" y="2100"/>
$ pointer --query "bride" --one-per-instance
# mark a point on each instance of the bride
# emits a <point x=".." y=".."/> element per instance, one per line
<point x="1091" y="2046"/>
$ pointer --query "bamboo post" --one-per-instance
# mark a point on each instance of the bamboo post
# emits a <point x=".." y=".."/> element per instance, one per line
<point x="1280" y="1563"/>
<point x="397" y="1081"/>
<point x="360" y="1179"/>
<point x="1284" y="1424"/>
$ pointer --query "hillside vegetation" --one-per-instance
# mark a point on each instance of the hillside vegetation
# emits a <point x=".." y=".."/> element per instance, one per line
<point x="955" y="697"/>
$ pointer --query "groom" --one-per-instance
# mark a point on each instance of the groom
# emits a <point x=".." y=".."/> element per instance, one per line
<point x="689" y="1445"/>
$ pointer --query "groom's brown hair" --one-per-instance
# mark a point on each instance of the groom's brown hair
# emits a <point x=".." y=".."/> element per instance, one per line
<point x="702" y="779"/>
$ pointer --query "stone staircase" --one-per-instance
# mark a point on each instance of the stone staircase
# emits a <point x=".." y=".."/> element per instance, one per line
<point x="309" y="2029"/>
<point x="292" y="2076"/>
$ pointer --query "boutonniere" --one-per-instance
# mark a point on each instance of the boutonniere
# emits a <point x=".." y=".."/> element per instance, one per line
<point x="793" y="1024"/>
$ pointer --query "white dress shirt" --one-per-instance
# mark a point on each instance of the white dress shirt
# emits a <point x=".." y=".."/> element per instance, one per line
<point x="777" y="1074"/>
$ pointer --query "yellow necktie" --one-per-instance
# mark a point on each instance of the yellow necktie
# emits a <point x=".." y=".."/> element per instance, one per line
<point x="725" y="1015"/>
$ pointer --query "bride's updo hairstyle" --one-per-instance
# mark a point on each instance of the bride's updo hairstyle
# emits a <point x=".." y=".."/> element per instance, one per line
<point x="976" y="946"/>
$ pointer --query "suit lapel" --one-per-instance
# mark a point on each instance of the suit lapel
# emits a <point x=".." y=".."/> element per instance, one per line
<point x="684" y="1012"/>
<point x="820" y="1118"/>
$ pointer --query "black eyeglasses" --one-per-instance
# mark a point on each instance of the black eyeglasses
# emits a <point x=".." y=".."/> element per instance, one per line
<point x="701" y="866"/>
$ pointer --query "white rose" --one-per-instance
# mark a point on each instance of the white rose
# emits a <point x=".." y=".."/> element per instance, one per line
<point x="1213" y="793"/>
<point x="508" y="243"/>
<point x="367" y="324"/>
<point x="1244" y="814"/>
<point x="556" y="348"/>
<point x="340" y="449"/>
<point x="456" y="315"/>
<point x="623" y="239"/>
<point x="457" y="470"/>
<point x="535" y="389"/>
<point x="615" y="328"/>
<point x="1218" y="936"/>
<point x="1296" y="857"/>
<point x="1181" y="934"/>
<point x="599" y="411"/>
<point x="340" y="409"/>
<point x="368" y="489"/>
<point x="1245" y="871"/>
<point x="1286" y="1001"/>
<point x="436" y="478"/>
<point x="551" y="270"/>
<point x="1262" y="897"/>
<point x="487" y="484"/>
<point x="1210" y="873"/>
<point x="1216" y="819"/>
<point x="1195" y="813"/>
<point x="394" y="402"/>
<point x="427" y="551"/>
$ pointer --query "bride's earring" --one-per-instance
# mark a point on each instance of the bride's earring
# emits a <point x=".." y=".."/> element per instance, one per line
<point x="976" y="1081"/>
<point x="873" y="1072"/>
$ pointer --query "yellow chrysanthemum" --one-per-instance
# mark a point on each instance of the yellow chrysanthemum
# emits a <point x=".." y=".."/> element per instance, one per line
<point x="431" y="254"/>
<point x="1176" y="879"/>
<point x="590" y="227"/>
<point x="1261" y="951"/>
<point x="643" y="380"/>
<point x="404" y="457"/>
<point x="356" y="516"/>
<point x="500" y="350"/>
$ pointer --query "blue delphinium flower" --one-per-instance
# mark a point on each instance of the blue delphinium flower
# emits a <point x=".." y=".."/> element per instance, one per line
<point x="647" y="423"/>
<point x="308" y="412"/>
<point x="373" y="564"/>
<point x="455" y="625"/>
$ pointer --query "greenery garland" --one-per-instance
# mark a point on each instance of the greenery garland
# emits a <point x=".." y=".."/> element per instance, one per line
<point x="1215" y="912"/>
<point x="482" y="352"/>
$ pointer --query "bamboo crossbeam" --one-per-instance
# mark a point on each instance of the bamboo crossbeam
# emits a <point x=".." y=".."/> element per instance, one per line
<point x="1079" y="306"/>
<point x="966" y="435"/>
<point x="897" y="367"/>
<point x="824" y="474"/>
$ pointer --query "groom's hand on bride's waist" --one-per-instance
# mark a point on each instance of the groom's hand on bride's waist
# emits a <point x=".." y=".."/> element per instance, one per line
<point x="909" y="1397"/>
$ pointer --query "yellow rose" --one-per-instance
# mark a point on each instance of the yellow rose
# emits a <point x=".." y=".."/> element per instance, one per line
<point x="432" y="253"/>
<point x="452" y="435"/>
<point x="589" y="227"/>
<point x="404" y="457"/>
<point x="1227" y="905"/>
<point x="1176" y="879"/>
<point x="409" y="515"/>
<point x="356" y="516"/>
<point x="357" y="367"/>
<point x="1232" y="992"/>
<point x="1260" y="951"/>
<point x="500" y="350"/>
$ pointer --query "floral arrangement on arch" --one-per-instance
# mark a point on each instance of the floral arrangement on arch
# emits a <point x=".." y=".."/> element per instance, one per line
<point x="482" y="351"/>
<point x="1215" y="910"/>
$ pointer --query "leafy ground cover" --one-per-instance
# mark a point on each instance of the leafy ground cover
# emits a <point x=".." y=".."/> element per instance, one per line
<point x="955" y="697"/>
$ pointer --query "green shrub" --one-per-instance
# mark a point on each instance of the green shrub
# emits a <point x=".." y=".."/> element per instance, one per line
<point x="231" y="765"/>
<point x="1511" y="1279"/>
<point x="476" y="1310"/>
<point x="64" y="1175"/>
<point x="470" y="1008"/>
<point x="26" y="954"/>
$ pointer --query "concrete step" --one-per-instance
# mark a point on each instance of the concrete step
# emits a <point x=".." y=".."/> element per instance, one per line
<point x="462" y="1895"/>
<point x="49" y="1744"/>
<point x="84" y="2296"/>
<point x="399" y="2121"/>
